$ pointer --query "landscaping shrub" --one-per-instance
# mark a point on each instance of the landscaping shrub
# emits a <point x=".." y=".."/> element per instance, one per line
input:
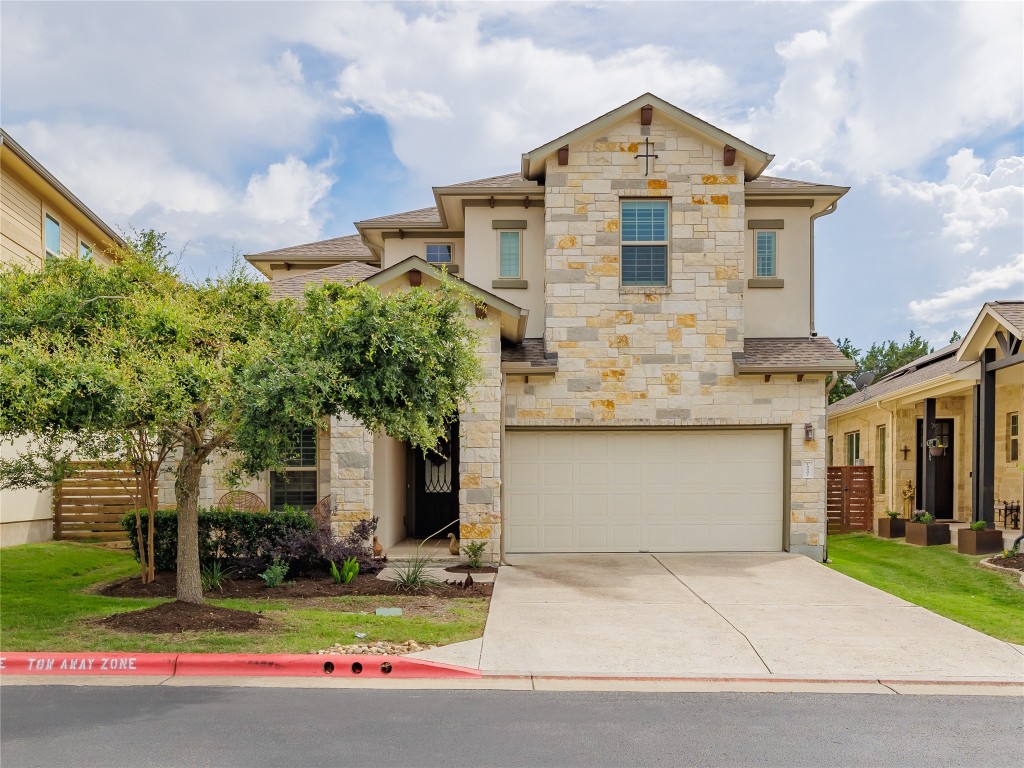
<point x="250" y="542"/>
<point x="235" y="538"/>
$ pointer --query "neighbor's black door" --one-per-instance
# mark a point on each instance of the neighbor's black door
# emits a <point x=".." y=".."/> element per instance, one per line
<point x="943" y="466"/>
<point x="437" y="488"/>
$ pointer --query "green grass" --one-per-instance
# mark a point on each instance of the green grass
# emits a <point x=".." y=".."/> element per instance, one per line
<point x="936" y="578"/>
<point x="45" y="605"/>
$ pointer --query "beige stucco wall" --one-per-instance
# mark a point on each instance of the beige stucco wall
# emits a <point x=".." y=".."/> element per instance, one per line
<point x="482" y="258"/>
<point x="389" y="489"/>
<point x="782" y="311"/>
<point x="399" y="249"/>
<point x="26" y="516"/>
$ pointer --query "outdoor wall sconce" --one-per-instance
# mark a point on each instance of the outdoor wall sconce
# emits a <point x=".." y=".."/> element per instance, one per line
<point x="808" y="431"/>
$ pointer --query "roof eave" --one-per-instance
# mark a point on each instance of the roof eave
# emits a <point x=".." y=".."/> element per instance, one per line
<point x="22" y="154"/>
<point x="755" y="370"/>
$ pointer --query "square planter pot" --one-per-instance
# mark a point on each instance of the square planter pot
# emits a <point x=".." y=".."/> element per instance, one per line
<point x="984" y="542"/>
<point x="892" y="528"/>
<point x="927" y="534"/>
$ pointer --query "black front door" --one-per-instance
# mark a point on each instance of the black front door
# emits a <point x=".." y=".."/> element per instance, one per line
<point x="942" y="465"/>
<point x="437" y="488"/>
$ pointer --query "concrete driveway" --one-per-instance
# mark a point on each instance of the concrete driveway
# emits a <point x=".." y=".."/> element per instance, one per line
<point x="698" y="615"/>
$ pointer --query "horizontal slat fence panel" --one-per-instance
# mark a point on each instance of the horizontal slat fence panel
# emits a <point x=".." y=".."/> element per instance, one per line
<point x="90" y="504"/>
<point x="849" y="499"/>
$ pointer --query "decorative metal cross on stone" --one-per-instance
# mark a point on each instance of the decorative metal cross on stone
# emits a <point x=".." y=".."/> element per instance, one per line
<point x="646" y="156"/>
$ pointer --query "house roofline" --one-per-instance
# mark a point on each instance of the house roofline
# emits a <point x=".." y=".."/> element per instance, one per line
<point x="415" y="263"/>
<point x="761" y="158"/>
<point x="22" y="154"/>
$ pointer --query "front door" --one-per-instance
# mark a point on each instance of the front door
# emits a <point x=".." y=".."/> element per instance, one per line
<point x="436" y="504"/>
<point x="943" y="468"/>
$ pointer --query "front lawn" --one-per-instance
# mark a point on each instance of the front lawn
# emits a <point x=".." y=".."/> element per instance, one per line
<point x="936" y="578"/>
<point x="45" y="604"/>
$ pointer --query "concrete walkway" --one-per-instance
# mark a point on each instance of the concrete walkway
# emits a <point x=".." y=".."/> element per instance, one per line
<point x="698" y="615"/>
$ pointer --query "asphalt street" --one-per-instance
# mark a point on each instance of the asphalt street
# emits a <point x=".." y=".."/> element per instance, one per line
<point x="221" y="726"/>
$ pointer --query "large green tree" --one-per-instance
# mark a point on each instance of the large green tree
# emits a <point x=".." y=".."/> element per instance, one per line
<point x="881" y="359"/>
<point x="132" y="363"/>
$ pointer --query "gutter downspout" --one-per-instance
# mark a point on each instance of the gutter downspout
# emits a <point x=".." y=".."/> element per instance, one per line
<point x="815" y="217"/>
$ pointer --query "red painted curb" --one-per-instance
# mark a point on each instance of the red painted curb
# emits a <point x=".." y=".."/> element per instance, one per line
<point x="53" y="663"/>
<point x="304" y="665"/>
<point x="227" y="664"/>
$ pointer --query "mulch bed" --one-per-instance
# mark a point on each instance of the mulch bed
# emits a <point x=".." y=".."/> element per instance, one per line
<point x="298" y="588"/>
<point x="1016" y="562"/>
<point x="469" y="569"/>
<point x="183" y="617"/>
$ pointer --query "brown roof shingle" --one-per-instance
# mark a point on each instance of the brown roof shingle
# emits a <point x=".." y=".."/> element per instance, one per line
<point x="505" y="180"/>
<point x="530" y="351"/>
<point x="811" y="353"/>
<point x="778" y="184"/>
<point x="1011" y="311"/>
<point x="940" y="363"/>
<point x="294" y="286"/>
<point x="419" y="216"/>
<point x="347" y="248"/>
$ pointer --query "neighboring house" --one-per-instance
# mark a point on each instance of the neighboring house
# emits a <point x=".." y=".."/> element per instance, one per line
<point x="653" y="379"/>
<point x="967" y="397"/>
<point x="39" y="218"/>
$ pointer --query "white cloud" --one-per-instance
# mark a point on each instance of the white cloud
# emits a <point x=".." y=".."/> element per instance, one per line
<point x="884" y="86"/>
<point x="972" y="202"/>
<point x="132" y="179"/>
<point x="962" y="302"/>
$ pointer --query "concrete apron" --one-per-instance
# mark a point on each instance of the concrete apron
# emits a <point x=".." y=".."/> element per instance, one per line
<point x="762" y="616"/>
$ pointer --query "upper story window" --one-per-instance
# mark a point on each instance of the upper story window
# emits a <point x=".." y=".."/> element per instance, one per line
<point x="852" y="447"/>
<point x="439" y="253"/>
<point x="84" y="251"/>
<point x="644" y="238"/>
<point x="51" y="237"/>
<point x="510" y="251"/>
<point x="296" y="485"/>
<point x="766" y="245"/>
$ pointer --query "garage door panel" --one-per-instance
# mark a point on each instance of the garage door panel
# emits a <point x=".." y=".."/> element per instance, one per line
<point x="659" y="491"/>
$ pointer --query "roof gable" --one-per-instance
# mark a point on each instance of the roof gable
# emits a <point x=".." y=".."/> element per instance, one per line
<point x="1006" y="317"/>
<point x="534" y="161"/>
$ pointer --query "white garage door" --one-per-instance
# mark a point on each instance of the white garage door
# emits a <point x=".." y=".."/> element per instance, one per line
<point x="658" y="491"/>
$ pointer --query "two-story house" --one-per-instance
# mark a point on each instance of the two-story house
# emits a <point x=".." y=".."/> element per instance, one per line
<point x="653" y="379"/>
<point x="39" y="218"/>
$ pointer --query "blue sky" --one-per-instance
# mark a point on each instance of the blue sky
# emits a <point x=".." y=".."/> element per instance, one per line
<point x="238" y="127"/>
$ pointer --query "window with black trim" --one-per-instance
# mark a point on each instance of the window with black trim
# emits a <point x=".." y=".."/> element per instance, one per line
<point x="296" y="485"/>
<point x="644" y="242"/>
<point x="1012" y="436"/>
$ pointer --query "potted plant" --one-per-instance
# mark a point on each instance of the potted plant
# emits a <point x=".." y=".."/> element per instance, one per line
<point x="935" y="446"/>
<point x="979" y="539"/>
<point x="923" y="531"/>
<point x="892" y="526"/>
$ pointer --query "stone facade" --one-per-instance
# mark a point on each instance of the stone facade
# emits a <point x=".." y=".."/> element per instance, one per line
<point x="480" y="446"/>
<point x="351" y="473"/>
<point x="661" y="356"/>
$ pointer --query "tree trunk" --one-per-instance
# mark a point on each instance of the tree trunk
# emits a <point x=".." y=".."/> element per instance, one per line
<point x="186" y="491"/>
<point x="149" y="477"/>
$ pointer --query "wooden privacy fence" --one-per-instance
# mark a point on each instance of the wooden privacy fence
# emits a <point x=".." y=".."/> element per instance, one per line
<point x="90" y="504"/>
<point x="849" y="499"/>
